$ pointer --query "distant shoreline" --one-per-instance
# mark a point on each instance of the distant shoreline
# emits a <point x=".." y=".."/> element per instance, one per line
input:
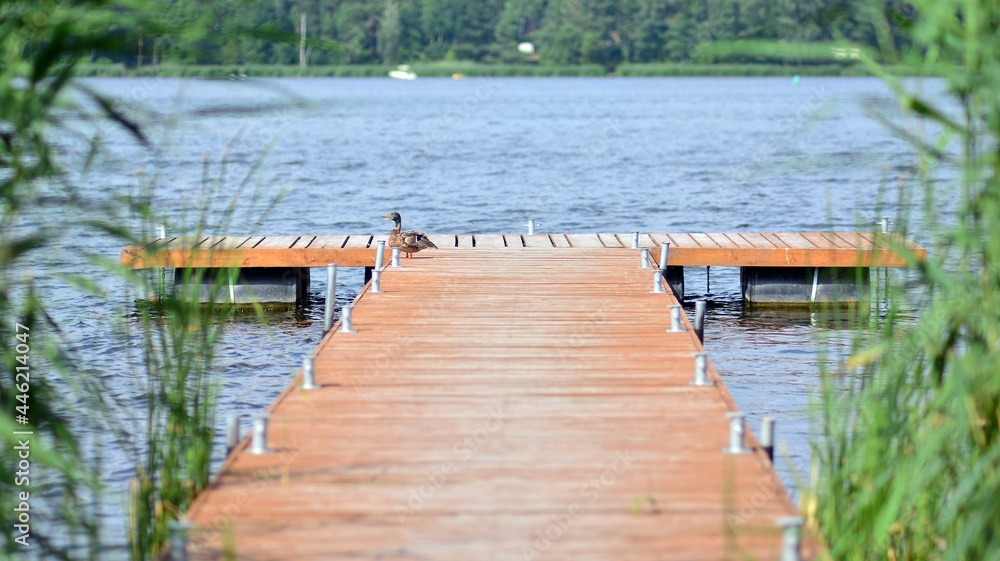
<point x="473" y="70"/>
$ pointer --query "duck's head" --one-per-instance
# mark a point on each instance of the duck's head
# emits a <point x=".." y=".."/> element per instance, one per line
<point x="394" y="217"/>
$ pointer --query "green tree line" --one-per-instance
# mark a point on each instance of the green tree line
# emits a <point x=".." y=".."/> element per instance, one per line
<point x="605" y="32"/>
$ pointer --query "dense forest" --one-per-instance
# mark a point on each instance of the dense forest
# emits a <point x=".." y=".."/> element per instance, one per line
<point x="562" y="32"/>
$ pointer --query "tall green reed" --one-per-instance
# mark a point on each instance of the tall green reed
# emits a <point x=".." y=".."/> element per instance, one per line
<point x="180" y="326"/>
<point x="73" y="414"/>
<point x="38" y="44"/>
<point x="908" y="459"/>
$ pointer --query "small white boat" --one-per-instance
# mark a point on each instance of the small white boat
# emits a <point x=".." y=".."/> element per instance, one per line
<point x="403" y="72"/>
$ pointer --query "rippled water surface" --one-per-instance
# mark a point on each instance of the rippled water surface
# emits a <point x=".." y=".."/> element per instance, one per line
<point x="580" y="155"/>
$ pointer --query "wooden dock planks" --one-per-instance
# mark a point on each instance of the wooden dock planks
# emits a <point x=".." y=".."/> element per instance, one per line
<point x="806" y="249"/>
<point x="492" y="407"/>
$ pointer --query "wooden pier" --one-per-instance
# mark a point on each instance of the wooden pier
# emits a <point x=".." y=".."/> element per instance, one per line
<point x="798" y="249"/>
<point x="498" y="408"/>
<point x="776" y="268"/>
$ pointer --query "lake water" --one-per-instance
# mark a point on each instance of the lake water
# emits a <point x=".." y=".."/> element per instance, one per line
<point x="483" y="155"/>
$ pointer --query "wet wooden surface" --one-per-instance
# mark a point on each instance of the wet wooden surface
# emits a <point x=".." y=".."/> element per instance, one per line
<point x="809" y="249"/>
<point x="498" y="405"/>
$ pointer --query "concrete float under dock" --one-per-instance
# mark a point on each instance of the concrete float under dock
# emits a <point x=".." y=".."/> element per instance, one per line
<point x="790" y="269"/>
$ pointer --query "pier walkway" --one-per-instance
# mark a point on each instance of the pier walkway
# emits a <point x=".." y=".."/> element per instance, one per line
<point x="493" y="407"/>
<point x="793" y="249"/>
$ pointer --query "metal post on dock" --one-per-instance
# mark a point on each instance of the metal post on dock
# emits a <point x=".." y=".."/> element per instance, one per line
<point x="179" y="539"/>
<point x="699" y="319"/>
<point x="737" y="432"/>
<point x="258" y="441"/>
<point x="767" y="437"/>
<point x="379" y="254"/>
<point x="376" y="281"/>
<point x="345" y="319"/>
<point x="664" y="254"/>
<point x="791" y="537"/>
<point x="885" y="270"/>
<point x="635" y="240"/>
<point x="676" y="326"/>
<point x="531" y="226"/>
<point x="657" y="282"/>
<point x="161" y="285"/>
<point x="644" y="259"/>
<point x="232" y="432"/>
<point x="331" y="296"/>
<point x="309" y="374"/>
<point x="701" y="371"/>
<point x="395" y="258"/>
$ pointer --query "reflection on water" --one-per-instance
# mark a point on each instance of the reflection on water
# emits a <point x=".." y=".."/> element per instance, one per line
<point x="776" y="319"/>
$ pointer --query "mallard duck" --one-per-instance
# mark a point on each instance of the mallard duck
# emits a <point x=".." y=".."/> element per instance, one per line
<point x="408" y="242"/>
